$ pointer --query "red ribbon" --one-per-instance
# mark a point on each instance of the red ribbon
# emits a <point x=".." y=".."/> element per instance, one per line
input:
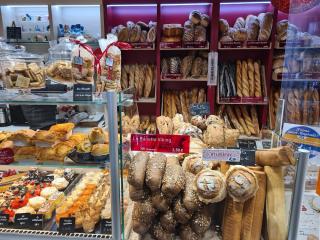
<point x="99" y="54"/>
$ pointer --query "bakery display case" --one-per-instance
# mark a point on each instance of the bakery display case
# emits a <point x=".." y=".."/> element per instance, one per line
<point x="32" y="21"/>
<point x="59" y="181"/>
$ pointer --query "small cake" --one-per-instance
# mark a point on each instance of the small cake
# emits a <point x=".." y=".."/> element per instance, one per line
<point x="36" y="202"/>
<point x="48" y="191"/>
<point x="97" y="135"/>
<point x="60" y="183"/>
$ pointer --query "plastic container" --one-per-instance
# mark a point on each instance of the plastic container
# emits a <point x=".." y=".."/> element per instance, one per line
<point x="59" y="65"/>
<point x="23" y="71"/>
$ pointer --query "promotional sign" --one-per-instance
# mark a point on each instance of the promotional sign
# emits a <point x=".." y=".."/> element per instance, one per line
<point x="82" y="92"/>
<point x="160" y="143"/>
<point x="6" y="156"/>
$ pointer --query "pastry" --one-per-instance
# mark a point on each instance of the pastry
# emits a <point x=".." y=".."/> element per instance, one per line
<point x="64" y="130"/>
<point x="155" y="171"/>
<point x="137" y="169"/>
<point x="210" y="186"/>
<point x="48" y="191"/>
<point x="195" y="17"/>
<point x="100" y="149"/>
<point x="36" y="202"/>
<point x="242" y="184"/>
<point x="265" y="22"/>
<point x="22" y="138"/>
<point x="21" y="153"/>
<point x="164" y="125"/>
<point x="60" y="183"/>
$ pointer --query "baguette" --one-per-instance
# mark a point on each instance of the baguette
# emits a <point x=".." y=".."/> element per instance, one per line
<point x="315" y="107"/>
<point x="257" y="80"/>
<point x="305" y="107"/>
<point x="184" y="107"/>
<point x="242" y="122"/>
<point x="254" y="117"/>
<point x="251" y="78"/>
<point x="248" y="119"/>
<point x="244" y="80"/>
<point x="239" y="78"/>
<point x="234" y="120"/>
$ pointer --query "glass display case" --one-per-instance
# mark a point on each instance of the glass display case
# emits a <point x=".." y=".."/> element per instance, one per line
<point x="61" y="180"/>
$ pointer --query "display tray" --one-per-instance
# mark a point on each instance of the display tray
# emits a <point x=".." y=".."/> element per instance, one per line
<point x="88" y="158"/>
<point x="244" y="45"/>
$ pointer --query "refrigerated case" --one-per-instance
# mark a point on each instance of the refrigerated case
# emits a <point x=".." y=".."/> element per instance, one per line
<point x="89" y="178"/>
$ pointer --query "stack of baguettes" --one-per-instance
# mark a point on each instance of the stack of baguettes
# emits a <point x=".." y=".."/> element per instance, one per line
<point x="249" y="78"/>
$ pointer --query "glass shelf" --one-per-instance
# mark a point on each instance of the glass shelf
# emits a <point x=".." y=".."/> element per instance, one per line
<point x="54" y="98"/>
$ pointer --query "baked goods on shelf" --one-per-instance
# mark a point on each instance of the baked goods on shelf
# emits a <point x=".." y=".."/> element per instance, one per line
<point x="60" y="70"/>
<point x="179" y="102"/>
<point x="288" y="34"/>
<point x="301" y="105"/>
<point x="82" y="64"/>
<point x="252" y="30"/>
<point x="139" y="32"/>
<point x="141" y="77"/>
<point x="147" y="125"/>
<point x="191" y="66"/>
<point x="242" y="81"/>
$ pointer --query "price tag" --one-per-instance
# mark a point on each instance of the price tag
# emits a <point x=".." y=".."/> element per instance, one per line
<point x="266" y="144"/>
<point x="36" y="221"/>
<point x="6" y="156"/>
<point x="77" y="60"/>
<point x="106" y="226"/>
<point x="248" y="157"/>
<point x="247" y="144"/>
<point x="4" y="220"/>
<point x="201" y="109"/>
<point x="160" y="143"/>
<point x="109" y="62"/>
<point x="212" y="68"/>
<point x="82" y="92"/>
<point x="228" y="155"/>
<point x="67" y="225"/>
<point x="48" y="178"/>
<point x="22" y="220"/>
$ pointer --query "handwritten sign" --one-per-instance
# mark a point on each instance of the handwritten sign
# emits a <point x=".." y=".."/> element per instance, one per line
<point x="106" y="226"/>
<point x="229" y="155"/>
<point x="201" y="109"/>
<point x="67" y="225"/>
<point x="22" y="220"/>
<point x="36" y="221"/>
<point x="4" y="220"/>
<point x="160" y="143"/>
<point x="82" y="92"/>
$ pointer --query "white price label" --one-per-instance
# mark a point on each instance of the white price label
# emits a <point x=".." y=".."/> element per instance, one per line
<point x="212" y="68"/>
<point x="229" y="155"/>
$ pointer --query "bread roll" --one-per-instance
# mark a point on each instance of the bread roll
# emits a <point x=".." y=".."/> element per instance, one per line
<point x="210" y="186"/>
<point x="181" y="214"/>
<point x="190" y="198"/>
<point x="137" y="169"/>
<point x="137" y="194"/>
<point x="142" y="216"/>
<point x="160" y="234"/>
<point x="160" y="202"/>
<point x="173" y="181"/>
<point x="155" y="170"/>
<point x="200" y="222"/>
<point x="230" y="137"/>
<point x="168" y="222"/>
<point x="242" y="183"/>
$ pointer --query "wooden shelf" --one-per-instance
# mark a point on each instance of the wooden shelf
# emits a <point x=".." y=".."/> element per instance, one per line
<point x="296" y="80"/>
<point x="147" y="100"/>
<point x="185" y="80"/>
<point x="244" y="49"/>
<point x="243" y="103"/>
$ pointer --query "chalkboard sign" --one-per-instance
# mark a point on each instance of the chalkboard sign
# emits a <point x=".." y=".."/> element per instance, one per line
<point x="4" y="220"/>
<point x="67" y="225"/>
<point x="106" y="226"/>
<point x="48" y="178"/>
<point x="36" y="221"/>
<point x="201" y="109"/>
<point x="247" y="157"/>
<point x="266" y="144"/>
<point x="13" y="32"/>
<point x="247" y="144"/>
<point x="82" y="92"/>
<point x="22" y="220"/>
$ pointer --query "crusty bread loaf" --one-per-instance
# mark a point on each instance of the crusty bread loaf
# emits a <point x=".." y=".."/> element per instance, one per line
<point x="251" y="78"/>
<point x="248" y="119"/>
<point x="242" y="122"/>
<point x="234" y="119"/>
<point x="245" y="81"/>
<point x="257" y="80"/>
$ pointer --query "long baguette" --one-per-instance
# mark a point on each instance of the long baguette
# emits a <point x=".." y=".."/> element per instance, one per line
<point x="242" y="122"/>
<point x="239" y="79"/>
<point x="234" y="119"/>
<point x="244" y="77"/>
<point x="248" y="119"/>
<point x="257" y="80"/>
<point x="251" y="78"/>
